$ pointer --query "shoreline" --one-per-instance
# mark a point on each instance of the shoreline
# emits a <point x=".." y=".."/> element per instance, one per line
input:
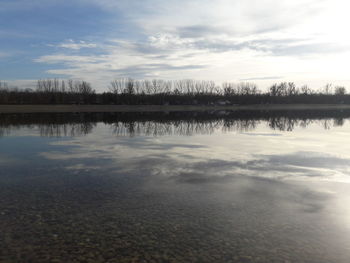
<point x="162" y="108"/>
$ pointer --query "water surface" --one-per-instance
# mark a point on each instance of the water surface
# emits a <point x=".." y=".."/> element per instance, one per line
<point x="175" y="187"/>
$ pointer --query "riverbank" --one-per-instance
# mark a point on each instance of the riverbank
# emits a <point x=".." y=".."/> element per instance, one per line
<point x="159" y="108"/>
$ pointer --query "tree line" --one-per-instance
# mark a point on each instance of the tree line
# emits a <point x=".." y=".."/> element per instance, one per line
<point x="128" y="91"/>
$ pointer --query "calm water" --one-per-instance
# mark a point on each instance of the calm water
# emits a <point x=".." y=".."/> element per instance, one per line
<point x="175" y="187"/>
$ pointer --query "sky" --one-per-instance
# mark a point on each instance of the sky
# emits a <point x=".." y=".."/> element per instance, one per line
<point x="260" y="41"/>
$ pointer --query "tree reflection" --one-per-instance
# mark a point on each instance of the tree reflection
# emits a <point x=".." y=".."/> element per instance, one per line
<point x="168" y="123"/>
<point x="64" y="130"/>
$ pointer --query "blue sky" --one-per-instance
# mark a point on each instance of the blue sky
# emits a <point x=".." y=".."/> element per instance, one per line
<point x="263" y="41"/>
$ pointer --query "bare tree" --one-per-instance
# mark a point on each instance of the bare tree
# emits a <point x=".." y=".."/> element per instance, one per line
<point x="339" y="90"/>
<point x="147" y="86"/>
<point x="85" y="88"/>
<point x="3" y="85"/>
<point x="305" y="90"/>
<point x="291" y="89"/>
<point x="117" y="86"/>
<point x="327" y="89"/>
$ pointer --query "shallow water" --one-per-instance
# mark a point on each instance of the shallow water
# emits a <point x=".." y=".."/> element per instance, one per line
<point x="175" y="187"/>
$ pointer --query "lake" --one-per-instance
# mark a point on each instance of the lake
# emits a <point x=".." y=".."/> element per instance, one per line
<point x="219" y="186"/>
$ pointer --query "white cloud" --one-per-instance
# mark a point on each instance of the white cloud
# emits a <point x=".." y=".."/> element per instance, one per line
<point x="303" y="40"/>
<point x="67" y="59"/>
<point x="241" y="17"/>
<point x="71" y="44"/>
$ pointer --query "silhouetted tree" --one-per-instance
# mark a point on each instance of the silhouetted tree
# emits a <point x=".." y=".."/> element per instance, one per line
<point x="339" y="90"/>
<point x="160" y="92"/>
